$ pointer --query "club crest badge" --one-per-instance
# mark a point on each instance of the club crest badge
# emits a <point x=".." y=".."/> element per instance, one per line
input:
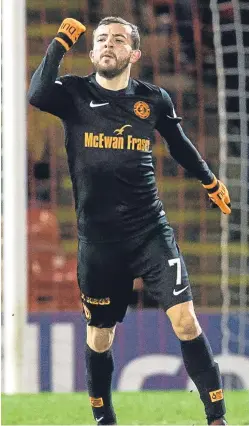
<point x="142" y="109"/>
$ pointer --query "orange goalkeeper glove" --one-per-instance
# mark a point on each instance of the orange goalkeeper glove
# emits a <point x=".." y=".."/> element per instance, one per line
<point x="69" y="32"/>
<point x="219" y="195"/>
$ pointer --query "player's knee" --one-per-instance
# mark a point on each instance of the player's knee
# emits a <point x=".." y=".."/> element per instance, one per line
<point x="184" y="321"/>
<point x="100" y="339"/>
<point x="187" y="328"/>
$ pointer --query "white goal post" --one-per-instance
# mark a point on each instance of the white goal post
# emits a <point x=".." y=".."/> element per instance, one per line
<point x="14" y="174"/>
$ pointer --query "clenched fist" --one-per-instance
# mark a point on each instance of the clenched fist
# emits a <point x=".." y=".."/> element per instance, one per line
<point x="69" y="32"/>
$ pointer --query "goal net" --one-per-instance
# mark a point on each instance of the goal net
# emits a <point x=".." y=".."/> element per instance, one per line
<point x="231" y="42"/>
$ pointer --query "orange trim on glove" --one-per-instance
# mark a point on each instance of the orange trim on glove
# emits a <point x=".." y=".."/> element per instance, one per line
<point x="219" y="195"/>
<point x="211" y="185"/>
<point x="64" y="44"/>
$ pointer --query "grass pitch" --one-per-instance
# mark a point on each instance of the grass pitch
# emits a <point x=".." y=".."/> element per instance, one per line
<point x="132" y="408"/>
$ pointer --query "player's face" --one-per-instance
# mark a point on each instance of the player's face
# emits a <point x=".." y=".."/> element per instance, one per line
<point x="112" y="50"/>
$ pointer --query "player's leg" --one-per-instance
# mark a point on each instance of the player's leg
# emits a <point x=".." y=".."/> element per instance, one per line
<point x="199" y="360"/>
<point x="99" y="367"/>
<point x="105" y="287"/>
<point x="160" y="264"/>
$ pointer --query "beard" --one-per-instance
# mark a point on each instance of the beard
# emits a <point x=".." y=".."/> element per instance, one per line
<point x="110" y="72"/>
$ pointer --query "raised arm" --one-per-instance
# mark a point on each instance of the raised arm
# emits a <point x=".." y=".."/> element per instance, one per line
<point x="184" y="152"/>
<point x="46" y="92"/>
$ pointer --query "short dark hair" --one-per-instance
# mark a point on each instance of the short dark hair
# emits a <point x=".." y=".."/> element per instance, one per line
<point x="117" y="20"/>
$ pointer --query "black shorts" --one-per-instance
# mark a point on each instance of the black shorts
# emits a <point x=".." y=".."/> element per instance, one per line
<point x="106" y="272"/>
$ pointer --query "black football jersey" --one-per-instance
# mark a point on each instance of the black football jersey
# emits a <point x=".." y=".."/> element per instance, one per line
<point x="109" y="137"/>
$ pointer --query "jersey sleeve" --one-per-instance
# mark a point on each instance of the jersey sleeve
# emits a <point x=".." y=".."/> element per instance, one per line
<point x="46" y="91"/>
<point x="180" y="147"/>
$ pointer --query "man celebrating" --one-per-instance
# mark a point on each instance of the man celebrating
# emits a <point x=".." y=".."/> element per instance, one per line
<point x="109" y="121"/>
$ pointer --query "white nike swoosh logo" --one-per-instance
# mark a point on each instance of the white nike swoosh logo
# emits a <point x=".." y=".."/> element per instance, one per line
<point x="92" y="105"/>
<point x="100" y="418"/>
<point x="176" y="292"/>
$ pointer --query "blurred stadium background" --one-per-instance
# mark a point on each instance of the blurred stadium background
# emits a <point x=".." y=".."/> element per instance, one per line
<point x="199" y="52"/>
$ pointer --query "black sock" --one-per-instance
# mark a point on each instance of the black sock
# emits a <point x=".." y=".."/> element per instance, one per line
<point x="99" y="367"/>
<point x="201" y="368"/>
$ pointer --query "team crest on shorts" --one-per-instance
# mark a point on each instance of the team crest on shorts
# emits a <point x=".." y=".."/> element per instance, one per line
<point x="142" y="109"/>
